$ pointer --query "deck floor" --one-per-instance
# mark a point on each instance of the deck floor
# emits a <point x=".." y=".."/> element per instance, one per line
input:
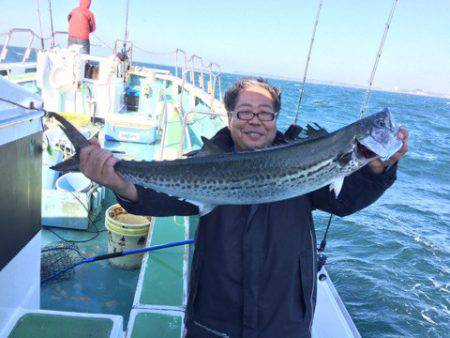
<point x="99" y="287"/>
<point x="96" y="287"/>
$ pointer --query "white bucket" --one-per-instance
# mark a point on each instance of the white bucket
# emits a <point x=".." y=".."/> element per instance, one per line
<point x="126" y="232"/>
<point x="50" y="176"/>
<point x="74" y="182"/>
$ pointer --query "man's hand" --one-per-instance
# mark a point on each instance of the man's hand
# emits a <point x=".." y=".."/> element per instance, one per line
<point x="98" y="165"/>
<point x="378" y="166"/>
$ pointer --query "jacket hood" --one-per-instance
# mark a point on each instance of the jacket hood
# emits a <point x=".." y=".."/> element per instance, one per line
<point x="85" y="4"/>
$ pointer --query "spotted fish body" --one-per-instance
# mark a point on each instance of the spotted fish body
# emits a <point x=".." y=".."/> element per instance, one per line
<point x="266" y="175"/>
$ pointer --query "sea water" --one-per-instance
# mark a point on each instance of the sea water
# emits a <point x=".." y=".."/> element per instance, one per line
<point x="390" y="261"/>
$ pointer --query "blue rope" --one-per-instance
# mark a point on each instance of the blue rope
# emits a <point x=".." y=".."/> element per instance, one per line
<point x="116" y="254"/>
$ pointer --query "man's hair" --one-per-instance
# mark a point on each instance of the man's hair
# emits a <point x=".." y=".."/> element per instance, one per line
<point x="232" y="92"/>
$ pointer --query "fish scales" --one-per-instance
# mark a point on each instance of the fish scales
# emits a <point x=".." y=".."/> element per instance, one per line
<point x="263" y="175"/>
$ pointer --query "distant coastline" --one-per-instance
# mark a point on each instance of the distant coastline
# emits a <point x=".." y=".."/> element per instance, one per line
<point x="417" y="92"/>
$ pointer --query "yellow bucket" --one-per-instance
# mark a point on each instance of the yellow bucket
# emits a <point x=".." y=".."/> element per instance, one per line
<point x="77" y="119"/>
<point x="126" y="232"/>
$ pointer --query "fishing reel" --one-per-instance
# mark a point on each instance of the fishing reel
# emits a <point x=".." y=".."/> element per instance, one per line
<point x="321" y="257"/>
<point x="321" y="261"/>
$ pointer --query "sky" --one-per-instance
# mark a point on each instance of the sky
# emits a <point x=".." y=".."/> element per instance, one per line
<point x="272" y="37"/>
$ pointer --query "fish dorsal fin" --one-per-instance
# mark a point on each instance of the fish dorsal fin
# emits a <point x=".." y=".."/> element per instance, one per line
<point x="293" y="132"/>
<point x="312" y="131"/>
<point x="209" y="148"/>
<point x="72" y="133"/>
<point x="315" y="131"/>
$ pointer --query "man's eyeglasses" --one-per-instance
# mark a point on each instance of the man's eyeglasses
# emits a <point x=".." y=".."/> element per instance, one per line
<point x="247" y="115"/>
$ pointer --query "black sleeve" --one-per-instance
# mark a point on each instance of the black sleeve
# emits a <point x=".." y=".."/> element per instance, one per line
<point x="359" y="190"/>
<point x="152" y="203"/>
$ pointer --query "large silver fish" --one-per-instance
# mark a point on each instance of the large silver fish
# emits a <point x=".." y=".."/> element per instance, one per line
<point x="263" y="175"/>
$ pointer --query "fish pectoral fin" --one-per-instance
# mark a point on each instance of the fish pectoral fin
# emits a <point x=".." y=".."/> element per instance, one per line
<point x="336" y="186"/>
<point x="192" y="153"/>
<point x="209" y="148"/>
<point x="203" y="208"/>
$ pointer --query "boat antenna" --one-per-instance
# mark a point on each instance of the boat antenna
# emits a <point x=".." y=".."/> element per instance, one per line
<point x="311" y="43"/>
<point x="51" y="22"/>
<point x="294" y="130"/>
<point x="40" y="23"/>
<point x="377" y="59"/>
<point x="125" y="40"/>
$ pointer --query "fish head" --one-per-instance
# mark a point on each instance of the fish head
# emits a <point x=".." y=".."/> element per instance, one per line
<point x="378" y="137"/>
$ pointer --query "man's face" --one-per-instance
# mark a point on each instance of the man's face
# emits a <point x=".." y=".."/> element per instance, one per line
<point x="254" y="133"/>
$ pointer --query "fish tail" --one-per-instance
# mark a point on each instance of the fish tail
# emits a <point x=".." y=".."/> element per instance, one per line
<point x="76" y="138"/>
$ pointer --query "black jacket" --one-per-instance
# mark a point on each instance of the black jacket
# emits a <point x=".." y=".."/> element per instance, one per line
<point x="254" y="267"/>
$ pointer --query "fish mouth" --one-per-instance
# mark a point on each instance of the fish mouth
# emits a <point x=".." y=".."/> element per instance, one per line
<point x="364" y="153"/>
<point x="371" y="147"/>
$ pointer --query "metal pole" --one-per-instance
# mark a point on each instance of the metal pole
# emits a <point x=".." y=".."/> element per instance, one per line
<point x="51" y="22"/>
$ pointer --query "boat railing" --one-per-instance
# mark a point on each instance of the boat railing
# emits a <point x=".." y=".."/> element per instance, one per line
<point x="165" y="122"/>
<point x="214" y="78"/>
<point x="102" y="43"/>
<point x="193" y="59"/>
<point x="183" y="67"/>
<point x="10" y="33"/>
<point x="184" y="130"/>
<point x="64" y="33"/>
<point x="32" y="36"/>
<point x="184" y="72"/>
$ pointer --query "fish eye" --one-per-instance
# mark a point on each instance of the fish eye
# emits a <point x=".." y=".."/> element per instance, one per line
<point x="381" y="123"/>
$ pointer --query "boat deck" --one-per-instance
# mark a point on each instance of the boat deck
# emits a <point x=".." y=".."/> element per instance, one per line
<point x="99" y="287"/>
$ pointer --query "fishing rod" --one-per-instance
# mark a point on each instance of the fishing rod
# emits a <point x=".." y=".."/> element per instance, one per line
<point x="305" y="73"/>
<point x="294" y="130"/>
<point x="51" y="22"/>
<point x="86" y="260"/>
<point x="322" y="258"/>
<point x="40" y="24"/>
<point x="377" y="59"/>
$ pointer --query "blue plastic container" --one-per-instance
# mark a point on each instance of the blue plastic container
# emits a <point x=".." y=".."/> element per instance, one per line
<point x="73" y="182"/>
<point x="132" y="99"/>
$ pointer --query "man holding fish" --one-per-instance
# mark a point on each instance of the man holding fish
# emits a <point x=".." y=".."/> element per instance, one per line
<point x="255" y="262"/>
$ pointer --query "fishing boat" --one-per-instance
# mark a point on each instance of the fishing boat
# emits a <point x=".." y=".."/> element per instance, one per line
<point x="139" y="112"/>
